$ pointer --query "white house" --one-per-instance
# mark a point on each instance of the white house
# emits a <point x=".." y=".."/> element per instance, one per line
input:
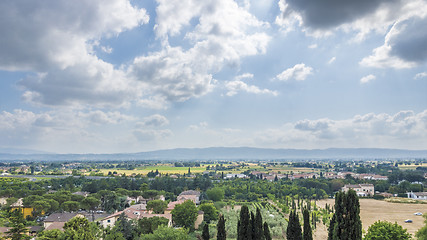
<point x="362" y="190"/>
<point x="417" y="195"/>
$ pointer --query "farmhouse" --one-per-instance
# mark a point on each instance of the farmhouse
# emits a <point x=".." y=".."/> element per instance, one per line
<point x="417" y="195"/>
<point x="190" y="195"/>
<point x="362" y="190"/>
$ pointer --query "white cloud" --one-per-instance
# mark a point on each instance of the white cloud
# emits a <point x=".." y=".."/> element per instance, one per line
<point x="236" y="86"/>
<point x="332" y="60"/>
<point x="225" y="33"/>
<point x="312" y="46"/>
<point x="298" y="72"/>
<point x="56" y="41"/>
<point x="155" y="120"/>
<point x="420" y="75"/>
<point x="367" y="78"/>
<point x="404" y="129"/>
<point x="402" y="48"/>
<point x="320" y="18"/>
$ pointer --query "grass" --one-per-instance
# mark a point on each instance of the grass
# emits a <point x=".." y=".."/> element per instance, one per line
<point x="373" y="210"/>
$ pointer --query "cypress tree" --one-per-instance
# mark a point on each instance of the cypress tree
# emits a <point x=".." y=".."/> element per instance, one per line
<point x="221" y="234"/>
<point x="205" y="233"/>
<point x="345" y="223"/>
<point x="252" y="228"/>
<point x="293" y="231"/>
<point x="267" y="234"/>
<point x="308" y="235"/>
<point x="258" y="226"/>
<point x="244" y="228"/>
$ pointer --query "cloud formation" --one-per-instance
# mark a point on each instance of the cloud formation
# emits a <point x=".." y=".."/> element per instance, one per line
<point x="225" y="33"/>
<point x="237" y="85"/>
<point x="299" y="72"/>
<point x="56" y="41"/>
<point x="405" y="46"/>
<point x="367" y="78"/>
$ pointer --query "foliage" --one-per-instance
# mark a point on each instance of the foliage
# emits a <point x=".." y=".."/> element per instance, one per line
<point x="345" y="223"/>
<point x="383" y="230"/>
<point x="307" y="233"/>
<point x="293" y="232"/>
<point x="149" y="225"/>
<point x="267" y="234"/>
<point x="157" y="206"/>
<point x="244" y="228"/>
<point x="53" y="234"/>
<point x="205" y="234"/>
<point x="80" y="228"/>
<point x="221" y="233"/>
<point x="215" y="194"/>
<point x="185" y="215"/>
<point x="165" y="233"/>
<point x="125" y="226"/>
<point x="209" y="212"/>
<point x="17" y="223"/>
<point x="422" y="232"/>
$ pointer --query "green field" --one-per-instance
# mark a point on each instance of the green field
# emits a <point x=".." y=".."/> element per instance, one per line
<point x="171" y="169"/>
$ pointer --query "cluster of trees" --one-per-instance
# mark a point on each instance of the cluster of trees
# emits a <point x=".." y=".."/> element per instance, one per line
<point x="251" y="226"/>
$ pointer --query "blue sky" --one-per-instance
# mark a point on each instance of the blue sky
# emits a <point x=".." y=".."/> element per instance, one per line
<point x="127" y="76"/>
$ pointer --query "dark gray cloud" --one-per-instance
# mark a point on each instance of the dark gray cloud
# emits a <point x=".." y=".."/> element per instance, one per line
<point x="324" y="14"/>
<point x="410" y="44"/>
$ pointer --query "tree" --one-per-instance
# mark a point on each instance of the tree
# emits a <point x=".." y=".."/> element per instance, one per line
<point x="215" y="194"/>
<point x="53" y="234"/>
<point x="293" y="231"/>
<point x="210" y="212"/>
<point x="221" y="233"/>
<point x="383" y="230"/>
<point x="157" y="206"/>
<point x="70" y="206"/>
<point x="205" y="233"/>
<point x="346" y="223"/>
<point x="257" y="227"/>
<point x="422" y="233"/>
<point x="17" y="223"/>
<point x="80" y="228"/>
<point x="244" y="228"/>
<point x="185" y="214"/>
<point x="149" y="225"/>
<point x="113" y="235"/>
<point x="267" y="234"/>
<point x="307" y="234"/>
<point x="166" y="233"/>
<point x="90" y="203"/>
<point x="124" y="226"/>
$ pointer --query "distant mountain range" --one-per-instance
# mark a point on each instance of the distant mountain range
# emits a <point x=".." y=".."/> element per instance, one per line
<point x="220" y="153"/>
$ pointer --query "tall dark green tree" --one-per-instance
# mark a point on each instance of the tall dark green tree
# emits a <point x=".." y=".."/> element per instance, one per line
<point x="205" y="233"/>
<point x="244" y="228"/>
<point x="307" y="233"/>
<point x="258" y="231"/>
<point x="221" y="233"/>
<point x="267" y="234"/>
<point x="293" y="231"/>
<point x="346" y="223"/>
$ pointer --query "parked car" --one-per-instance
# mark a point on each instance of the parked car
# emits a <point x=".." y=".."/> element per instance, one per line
<point x="408" y="221"/>
<point x="418" y="214"/>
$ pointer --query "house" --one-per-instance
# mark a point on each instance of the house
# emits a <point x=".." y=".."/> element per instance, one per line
<point x="132" y="213"/>
<point x="190" y="195"/>
<point x="417" y="195"/>
<point x="236" y="175"/>
<point x="57" y="220"/>
<point x="362" y="190"/>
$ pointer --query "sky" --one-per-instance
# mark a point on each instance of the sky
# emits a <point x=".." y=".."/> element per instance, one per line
<point x="110" y="76"/>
